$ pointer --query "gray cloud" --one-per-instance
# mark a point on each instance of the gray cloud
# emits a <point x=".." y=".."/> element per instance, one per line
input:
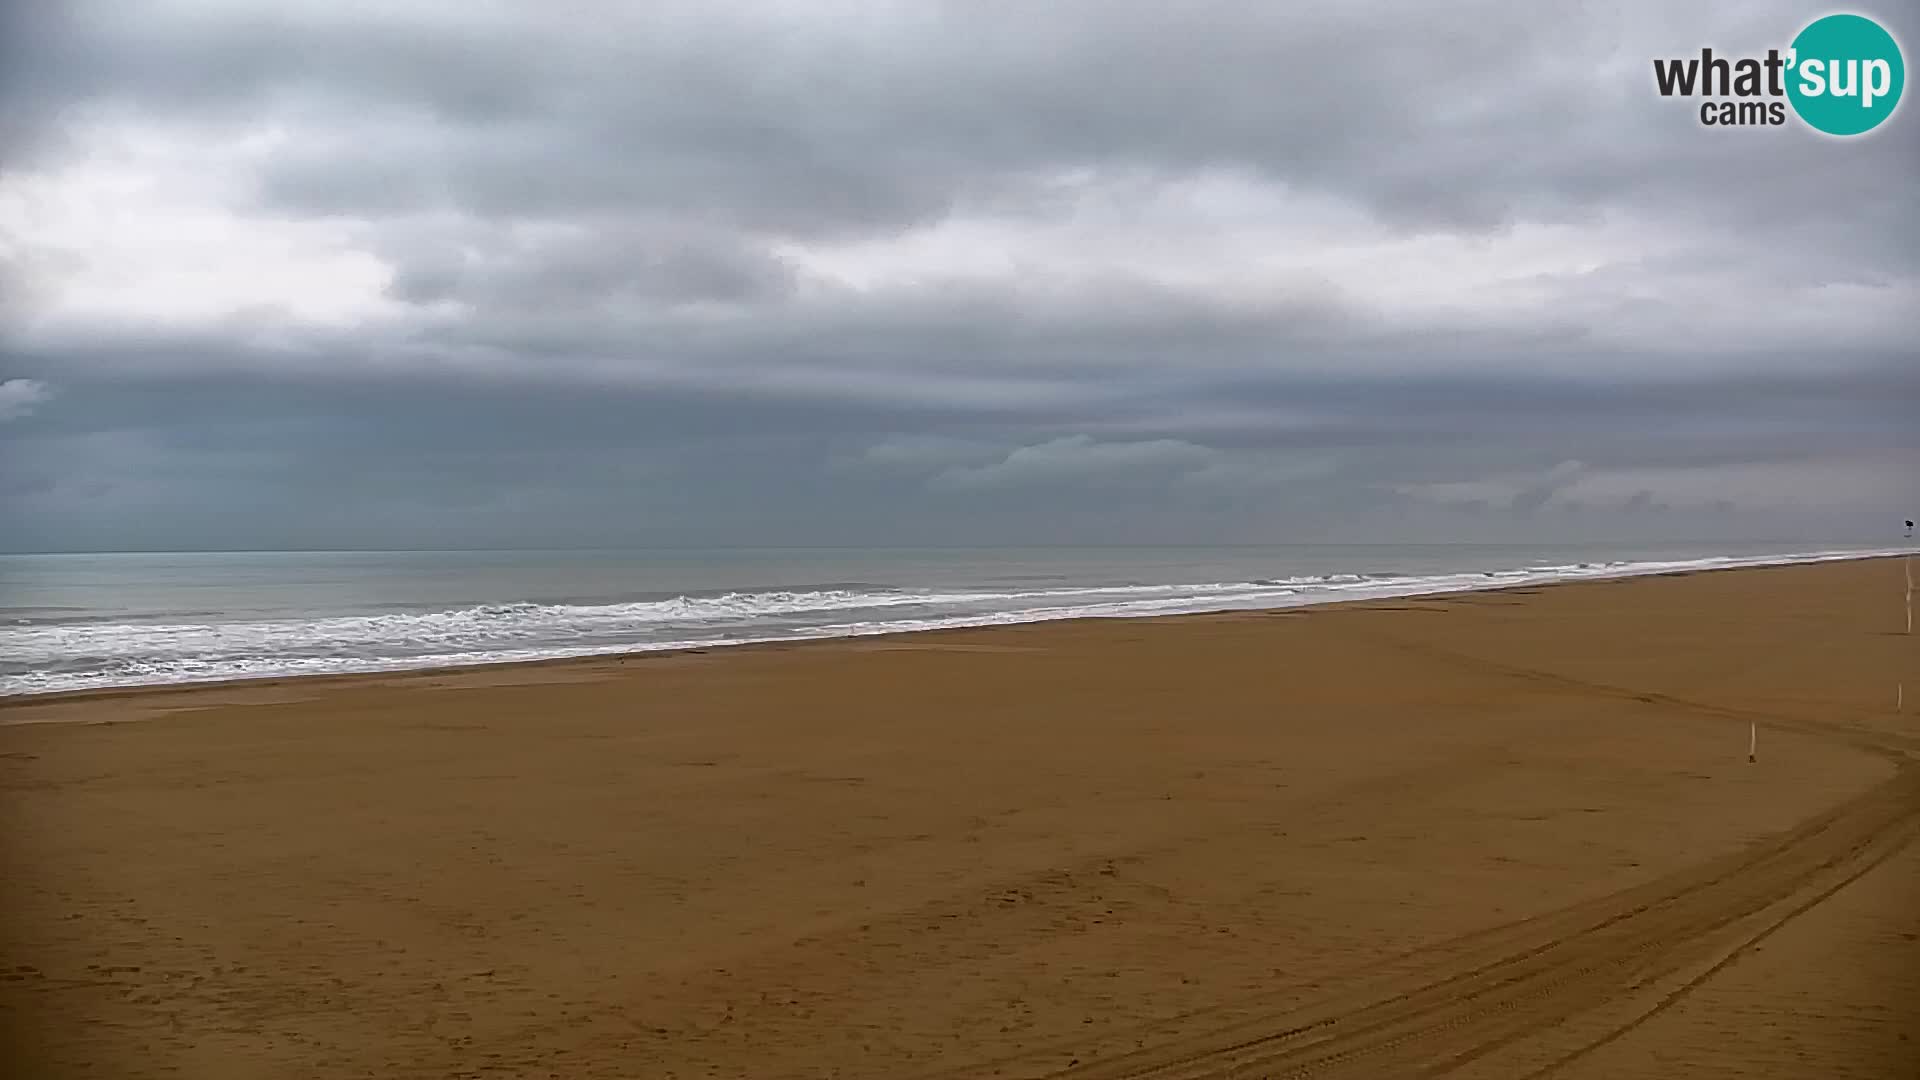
<point x="581" y="270"/>
<point x="1536" y="492"/>
<point x="918" y="453"/>
<point x="1475" y="116"/>
<point x="704" y="271"/>
<point x="19" y="397"/>
<point x="1079" y="460"/>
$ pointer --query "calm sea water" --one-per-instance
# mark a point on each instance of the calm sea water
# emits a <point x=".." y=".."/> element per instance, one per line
<point x="71" y="622"/>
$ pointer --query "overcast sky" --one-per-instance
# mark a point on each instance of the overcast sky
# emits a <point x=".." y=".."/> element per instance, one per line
<point x="499" y="274"/>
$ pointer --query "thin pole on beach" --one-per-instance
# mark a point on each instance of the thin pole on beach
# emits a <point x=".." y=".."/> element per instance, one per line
<point x="1906" y="562"/>
<point x="1753" y="741"/>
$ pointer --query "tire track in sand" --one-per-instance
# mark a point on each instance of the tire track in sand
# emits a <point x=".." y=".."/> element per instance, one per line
<point x="1524" y="980"/>
<point x="1442" y="1009"/>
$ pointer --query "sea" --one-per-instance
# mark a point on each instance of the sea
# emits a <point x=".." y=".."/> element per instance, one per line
<point x="88" y="621"/>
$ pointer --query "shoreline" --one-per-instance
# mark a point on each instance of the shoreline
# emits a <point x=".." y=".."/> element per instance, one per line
<point x="620" y="655"/>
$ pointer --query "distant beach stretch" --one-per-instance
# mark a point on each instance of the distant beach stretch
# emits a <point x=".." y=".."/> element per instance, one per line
<point x="78" y="622"/>
<point x="1509" y="833"/>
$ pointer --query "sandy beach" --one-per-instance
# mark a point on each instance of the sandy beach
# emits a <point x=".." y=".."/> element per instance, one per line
<point x="1501" y="834"/>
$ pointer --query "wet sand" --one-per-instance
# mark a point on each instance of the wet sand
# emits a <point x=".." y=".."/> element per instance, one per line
<point x="1494" y="835"/>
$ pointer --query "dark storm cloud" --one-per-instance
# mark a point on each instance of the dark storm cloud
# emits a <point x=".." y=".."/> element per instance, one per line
<point x="418" y="463"/>
<point x="656" y="276"/>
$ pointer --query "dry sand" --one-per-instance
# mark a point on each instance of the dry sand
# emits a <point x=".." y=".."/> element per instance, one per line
<point x="1493" y="835"/>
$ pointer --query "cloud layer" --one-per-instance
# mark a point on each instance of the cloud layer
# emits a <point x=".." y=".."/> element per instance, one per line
<point x="758" y="273"/>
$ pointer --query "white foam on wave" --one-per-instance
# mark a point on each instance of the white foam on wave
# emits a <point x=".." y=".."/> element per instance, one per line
<point x="52" y="658"/>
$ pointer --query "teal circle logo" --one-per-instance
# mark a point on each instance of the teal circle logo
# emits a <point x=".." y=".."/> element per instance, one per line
<point x="1845" y="74"/>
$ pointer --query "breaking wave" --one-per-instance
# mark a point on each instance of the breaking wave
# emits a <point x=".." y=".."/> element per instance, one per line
<point x="61" y="654"/>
